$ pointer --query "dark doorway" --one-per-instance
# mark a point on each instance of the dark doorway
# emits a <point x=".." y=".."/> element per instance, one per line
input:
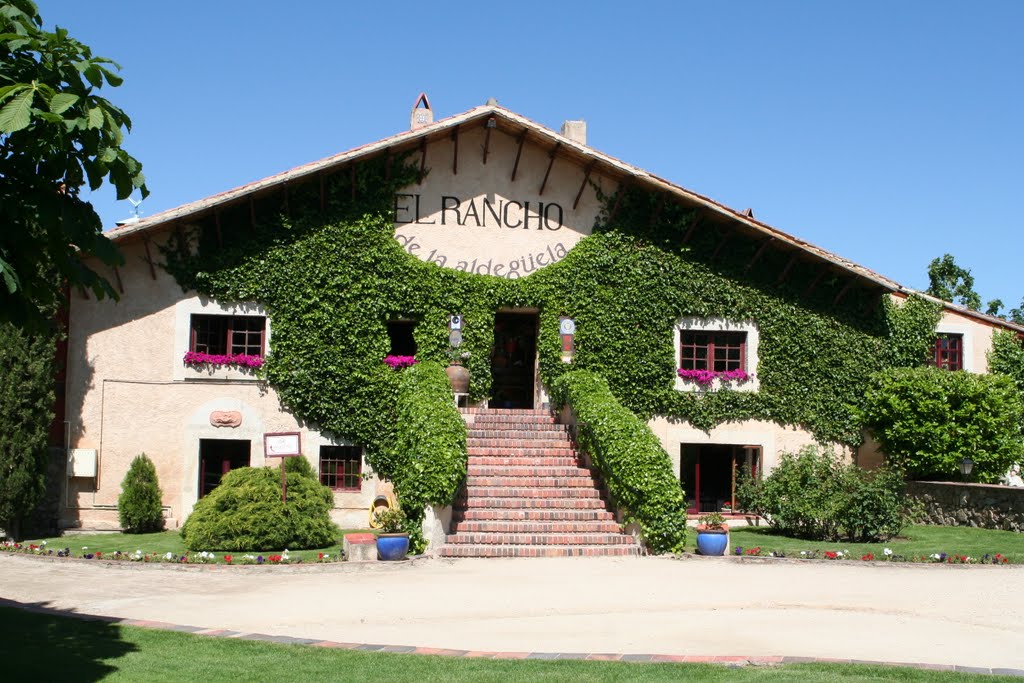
<point x="708" y="473"/>
<point x="402" y="341"/>
<point x="217" y="457"/>
<point x="513" y="360"/>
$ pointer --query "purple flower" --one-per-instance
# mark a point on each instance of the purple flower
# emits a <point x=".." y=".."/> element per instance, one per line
<point x="399" y="362"/>
<point x="238" y="359"/>
<point x="707" y="377"/>
<point x="259" y="559"/>
<point x="739" y="550"/>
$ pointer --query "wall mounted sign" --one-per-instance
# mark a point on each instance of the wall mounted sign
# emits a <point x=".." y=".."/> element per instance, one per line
<point x="225" y="418"/>
<point x="282" y="445"/>
<point x="567" y="331"/>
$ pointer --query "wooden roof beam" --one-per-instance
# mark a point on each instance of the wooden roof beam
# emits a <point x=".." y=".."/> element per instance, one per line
<point x="551" y="162"/>
<point x="519" y="153"/>
<point x="785" y="271"/>
<point x="698" y="218"/>
<point x="489" y="124"/>
<point x="618" y="200"/>
<point x="586" y="177"/>
<point x="758" y="255"/>
<point x="117" y="276"/>
<point x="721" y="245"/>
<point x="149" y="257"/>
<point x="842" y="292"/>
<point x="816" y="281"/>
<point x="455" y="150"/>
<point x="423" y="159"/>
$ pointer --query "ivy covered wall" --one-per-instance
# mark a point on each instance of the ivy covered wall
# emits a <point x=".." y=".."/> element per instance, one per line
<point x="331" y="276"/>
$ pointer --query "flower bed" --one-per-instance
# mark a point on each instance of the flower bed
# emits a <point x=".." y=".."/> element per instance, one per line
<point x="887" y="556"/>
<point x="399" y="362"/>
<point x="202" y="557"/>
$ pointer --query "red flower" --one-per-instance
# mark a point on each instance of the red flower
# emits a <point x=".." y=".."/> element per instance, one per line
<point x="868" y="558"/>
<point x="98" y="554"/>
<point x="319" y="556"/>
<point x="227" y="559"/>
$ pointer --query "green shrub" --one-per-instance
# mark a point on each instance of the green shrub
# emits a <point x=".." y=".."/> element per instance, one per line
<point x="246" y="513"/>
<point x="427" y="461"/>
<point x="635" y="468"/>
<point x="1007" y="357"/>
<point x="813" y="495"/>
<point x="928" y="420"/>
<point x="140" y="505"/>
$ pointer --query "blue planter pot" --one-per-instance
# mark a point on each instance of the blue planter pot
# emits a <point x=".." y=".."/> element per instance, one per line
<point x="712" y="541"/>
<point x="392" y="546"/>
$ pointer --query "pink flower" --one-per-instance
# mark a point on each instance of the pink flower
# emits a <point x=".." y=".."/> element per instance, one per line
<point x="399" y="362"/>
<point x="239" y="359"/>
<point x="707" y="377"/>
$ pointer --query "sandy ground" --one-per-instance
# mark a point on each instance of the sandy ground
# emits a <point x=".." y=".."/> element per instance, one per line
<point x="968" y="616"/>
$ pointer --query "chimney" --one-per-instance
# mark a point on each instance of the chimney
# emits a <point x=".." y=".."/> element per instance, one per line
<point x="575" y="131"/>
<point x="421" y="117"/>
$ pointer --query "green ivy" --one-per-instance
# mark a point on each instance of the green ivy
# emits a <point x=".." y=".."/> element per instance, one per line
<point x="1007" y="357"/>
<point x="634" y="467"/>
<point x="331" y="276"/>
<point x="427" y="460"/>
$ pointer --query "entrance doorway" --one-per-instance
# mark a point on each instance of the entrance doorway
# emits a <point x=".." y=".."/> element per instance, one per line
<point x="708" y="473"/>
<point x="217" y="457"/>
<point x="514" y="360"/>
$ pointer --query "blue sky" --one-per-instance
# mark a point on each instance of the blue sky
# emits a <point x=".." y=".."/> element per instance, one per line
<point x="887" y="132"/>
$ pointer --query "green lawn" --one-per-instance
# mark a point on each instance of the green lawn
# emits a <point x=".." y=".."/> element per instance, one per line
<point x="49" y="647"/>
<point x="915" y="541"/>
<point x="165" y="542"/>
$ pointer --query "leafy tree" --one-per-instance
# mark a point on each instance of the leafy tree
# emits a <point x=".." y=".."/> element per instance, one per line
<point x="1017" y="314"/>
<point x="993" y="307"/>
<point x="56" y="137"/>
<point x="950" y="282"/>
<point x="26" y="411"/>
<point x="1007" y="357"/>
<point x="140" y="505"/>
<point x="928" y="419"/>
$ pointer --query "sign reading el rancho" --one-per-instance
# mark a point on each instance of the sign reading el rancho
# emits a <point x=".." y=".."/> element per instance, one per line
<point x="477" y="218"/>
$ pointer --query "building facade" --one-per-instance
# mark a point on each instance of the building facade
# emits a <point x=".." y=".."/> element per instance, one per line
<point x="174" y="373"/>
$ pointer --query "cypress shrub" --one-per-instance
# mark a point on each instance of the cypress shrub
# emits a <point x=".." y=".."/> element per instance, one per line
<point x="246" y="513"/>
<point x="140" y="504"/>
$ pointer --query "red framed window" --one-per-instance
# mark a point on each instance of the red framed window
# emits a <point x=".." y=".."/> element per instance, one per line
<point x="715" y="351"/>
<point x="228" y="334"/>
<point x="341" y="467"/>
<point x="949" y="352"/>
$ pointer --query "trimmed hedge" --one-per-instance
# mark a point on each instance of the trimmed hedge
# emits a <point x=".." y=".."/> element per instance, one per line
<point x="635" y="468"/>
<point x="140" y="505"/>
<point x="246" y="513"/>
<point x="927" y="420"/>
<point x="427" y="461"/>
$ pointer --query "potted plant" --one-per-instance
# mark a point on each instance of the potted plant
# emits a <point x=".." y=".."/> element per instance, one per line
<point x="712" y="534"/>
<point x="458" y="375"/>
<point x="392" y="542"/>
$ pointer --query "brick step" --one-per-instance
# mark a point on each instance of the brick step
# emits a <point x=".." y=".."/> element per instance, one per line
<point x="521" y="503"/>
<point x="463" y="516"/>
<point x="494" y="442"/>
<point x="530" y="461"/>
<point x="505" y="411"/>
<point x="534" y="481"/>
<point x="495" y="526"/>
<point x="522" y="452"/>
<point x="538" y="551"/>
<point x="539" y="539"/>
<point x="476" y="470"/>
<point x="510" y="421"/>
<point x="531" y="493"/>
<point x="513" y="431"/>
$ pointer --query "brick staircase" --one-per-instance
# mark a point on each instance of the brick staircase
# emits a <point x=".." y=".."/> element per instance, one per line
<point x="527" y="495"/>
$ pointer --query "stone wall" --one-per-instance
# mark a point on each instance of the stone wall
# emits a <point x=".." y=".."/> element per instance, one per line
<point x="978" y="505"/>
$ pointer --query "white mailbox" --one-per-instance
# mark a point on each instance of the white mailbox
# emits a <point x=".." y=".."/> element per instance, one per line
<point x="82" y="462"/>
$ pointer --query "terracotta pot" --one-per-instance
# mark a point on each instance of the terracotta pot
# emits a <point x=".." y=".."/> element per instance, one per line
<point x="459" y="378"/>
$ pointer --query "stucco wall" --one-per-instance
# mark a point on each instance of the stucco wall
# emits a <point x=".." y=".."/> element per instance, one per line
<point x="476" y="236"/>
<point x="129" y="393"/>
<point x="773" y="439"/>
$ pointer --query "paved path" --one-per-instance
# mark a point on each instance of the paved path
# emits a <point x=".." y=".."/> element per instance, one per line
<point x="963" y="616"/>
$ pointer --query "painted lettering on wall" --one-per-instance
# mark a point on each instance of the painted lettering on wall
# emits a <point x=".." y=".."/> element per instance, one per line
<point x="511" y="269"/>
<point x="480" y="212"/>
